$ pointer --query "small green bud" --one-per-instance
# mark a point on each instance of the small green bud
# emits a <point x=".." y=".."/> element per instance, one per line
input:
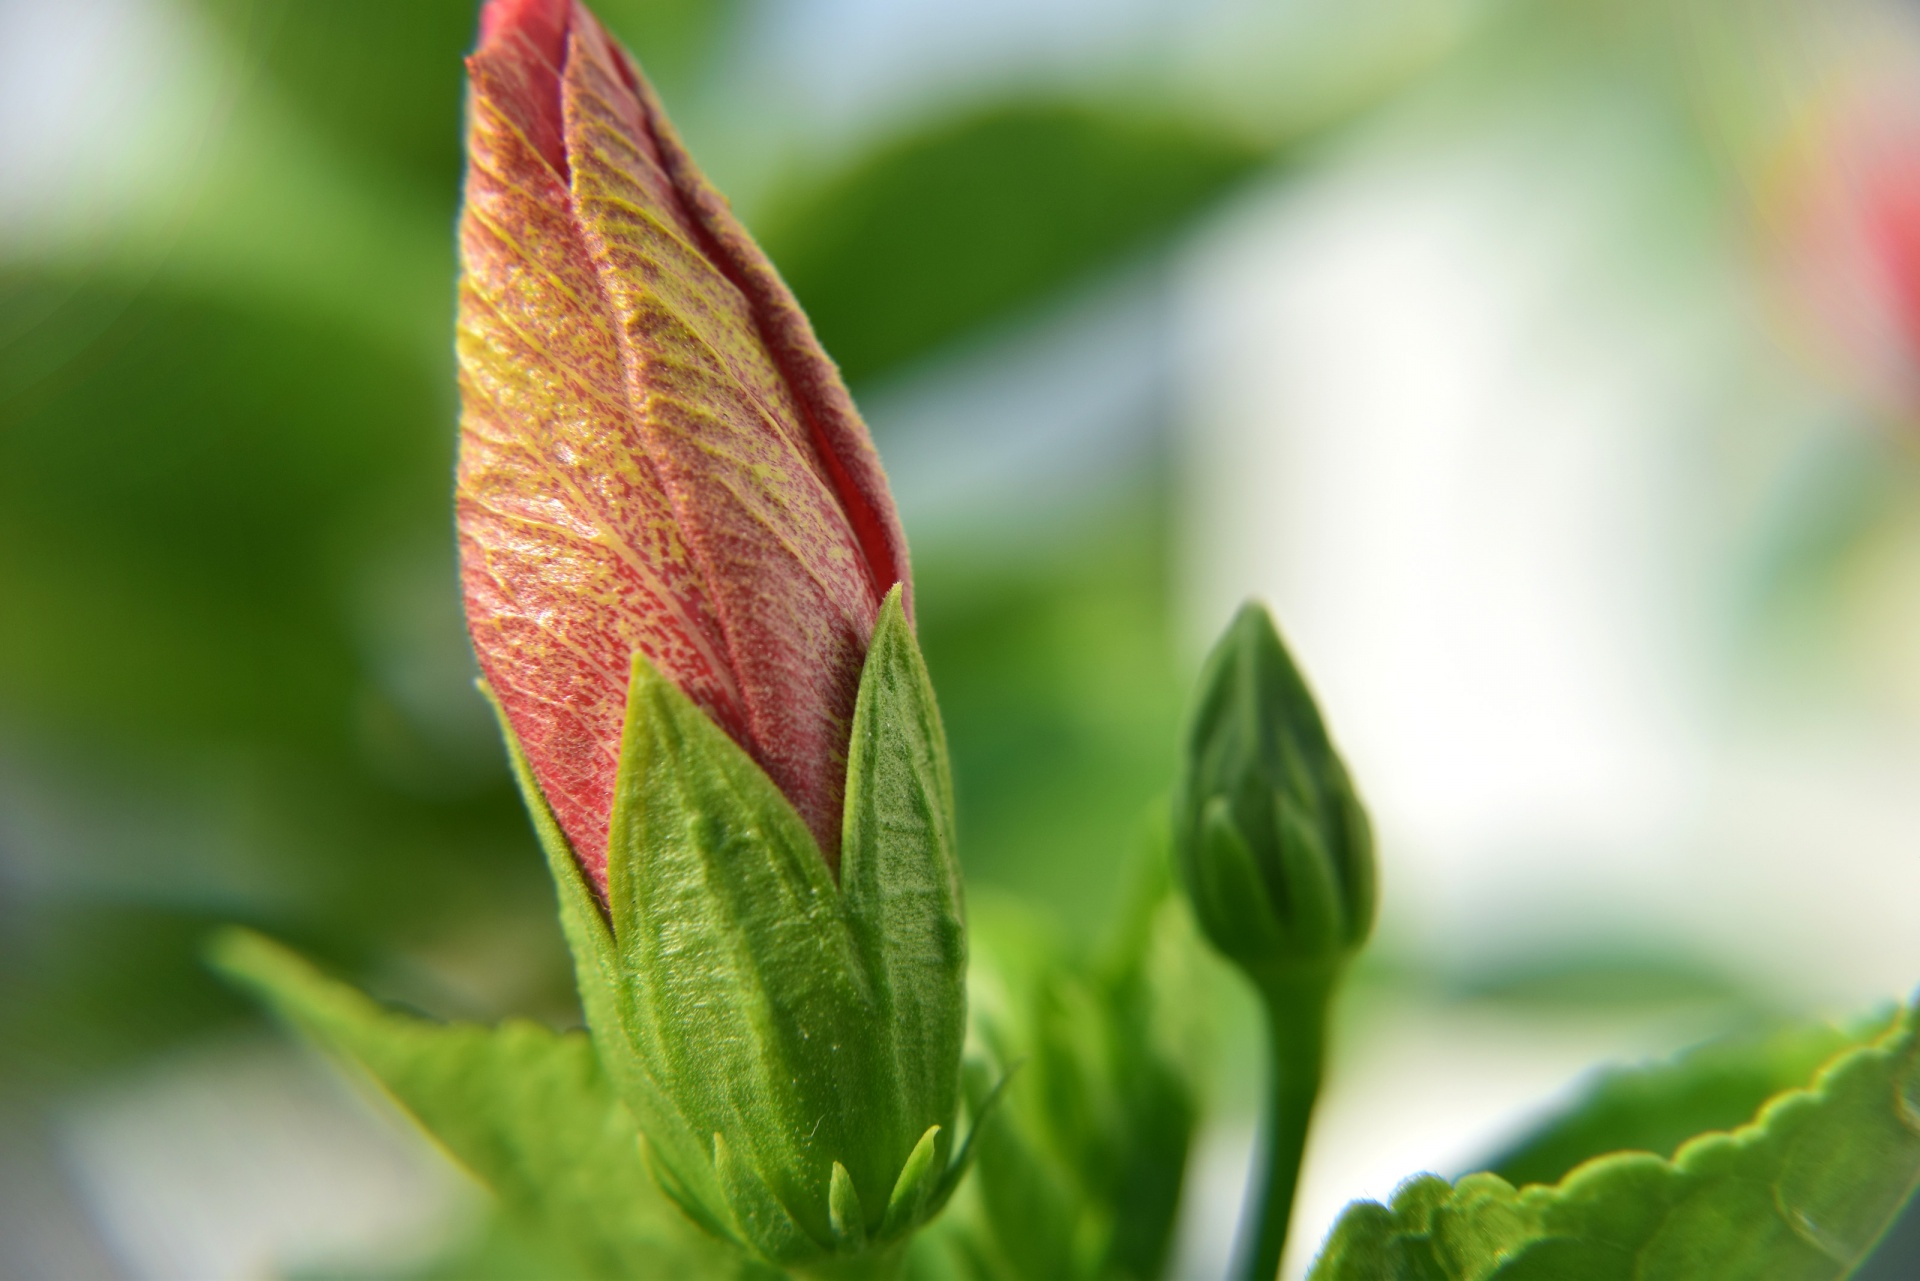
<point x="1272" y="843"/>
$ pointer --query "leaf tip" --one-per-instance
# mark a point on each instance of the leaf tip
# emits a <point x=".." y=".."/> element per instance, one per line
<point x="249" y="959"/>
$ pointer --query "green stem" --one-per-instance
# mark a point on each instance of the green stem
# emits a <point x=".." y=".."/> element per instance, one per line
<point x="1297" y="1040"/>
<point x="882" y="1263"/>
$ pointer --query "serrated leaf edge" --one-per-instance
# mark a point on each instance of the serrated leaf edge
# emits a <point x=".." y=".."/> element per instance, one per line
<point x="1902" y="1039"/>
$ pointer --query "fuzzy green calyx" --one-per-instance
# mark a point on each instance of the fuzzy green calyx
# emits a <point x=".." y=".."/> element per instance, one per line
<point x="790" y="1047"/>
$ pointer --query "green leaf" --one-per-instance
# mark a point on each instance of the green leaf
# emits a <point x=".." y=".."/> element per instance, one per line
<point x="525" y="1109"/>
<point x="758" y="1215"/>
<point x="1657" y="1107"/>
<point x="1802" y="1193"/>
<point x="978" y="215"/>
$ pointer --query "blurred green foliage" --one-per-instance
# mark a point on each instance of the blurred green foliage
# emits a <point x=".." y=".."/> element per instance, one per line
<point x="1061" y="695"/>
<point x="174" y="495"/>
<point x="95" y="984"/>
<point x="384" y="80"/>
<point x="1081" y="1165"/>
<point x="195" y="500"/>
<point x="938" y="231"/>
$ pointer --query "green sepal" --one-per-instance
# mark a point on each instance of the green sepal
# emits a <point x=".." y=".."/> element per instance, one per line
<point x="917" y="1181"/>
<point x="528" y="1111"/>
<point x="683" y="1172"/>
<point x="843" y="1206"/>
<point x="900" y="871"/>
<point x="1228" y="891"/>
<point x="745" y="1004"/>
<point x="758" y="1216"/>
<point x="1310" y="886"/>
<point x="1358" y="869"/>
<point x="1801" y="1193"/>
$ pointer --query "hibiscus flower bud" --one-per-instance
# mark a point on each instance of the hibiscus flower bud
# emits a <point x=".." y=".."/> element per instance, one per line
<point x="1272" y="843"/>
<point x="688" y="592"/>
<point x="1276" y="855"/>
<point x="655" y="453"/>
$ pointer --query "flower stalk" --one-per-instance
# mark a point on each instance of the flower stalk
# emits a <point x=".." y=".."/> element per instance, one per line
<point x="1296" y="1015"/>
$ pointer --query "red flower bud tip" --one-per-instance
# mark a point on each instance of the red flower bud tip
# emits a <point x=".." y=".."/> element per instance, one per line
<point x="1892" y="197"/>
<point x="1846" y="204"/>
<point x="655" y="453"/>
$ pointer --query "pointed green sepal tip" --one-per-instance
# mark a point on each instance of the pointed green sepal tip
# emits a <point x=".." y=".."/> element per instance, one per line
<point x="915" y="1185"/>
<point x="1272" y="843"/>
<point x="843" y="1207"/>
